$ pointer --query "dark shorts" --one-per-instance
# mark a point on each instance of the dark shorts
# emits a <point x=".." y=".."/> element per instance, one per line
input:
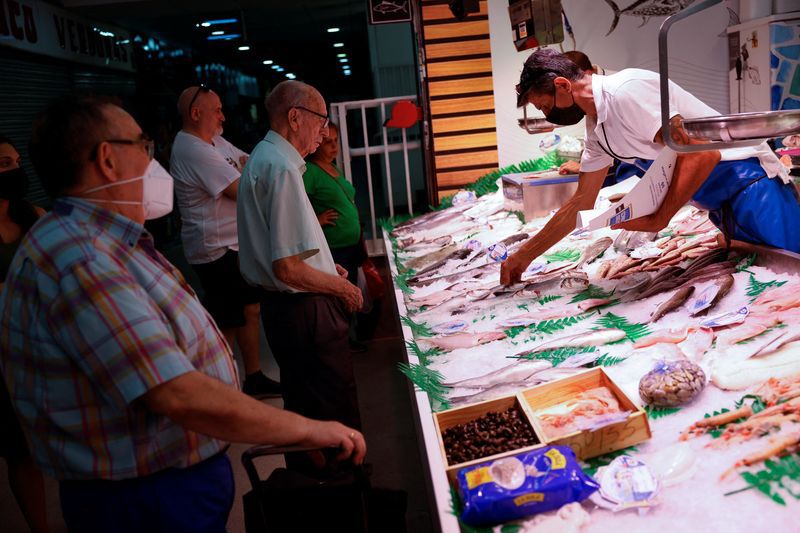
<point x="226" y="293"/>
<point x="197" y="499"/>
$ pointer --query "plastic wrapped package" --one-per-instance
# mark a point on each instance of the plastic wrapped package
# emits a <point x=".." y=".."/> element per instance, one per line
<point x="522" y="485"/>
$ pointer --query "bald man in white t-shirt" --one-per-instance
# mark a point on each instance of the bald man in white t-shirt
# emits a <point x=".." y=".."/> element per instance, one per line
<point x="207" y="169"/>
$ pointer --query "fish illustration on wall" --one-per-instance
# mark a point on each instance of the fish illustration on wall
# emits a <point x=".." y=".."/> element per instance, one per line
<point x="646" y="9"/>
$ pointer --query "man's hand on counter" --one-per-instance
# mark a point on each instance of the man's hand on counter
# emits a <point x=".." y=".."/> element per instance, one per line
<point x="570" y="167"/>
<point x="512" y="268"/>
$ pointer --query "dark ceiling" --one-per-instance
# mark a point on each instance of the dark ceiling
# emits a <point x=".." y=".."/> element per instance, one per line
<point x="292" y="33"/>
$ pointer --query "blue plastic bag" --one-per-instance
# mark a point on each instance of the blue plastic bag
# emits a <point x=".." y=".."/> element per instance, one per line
<point x="522" y="485"/>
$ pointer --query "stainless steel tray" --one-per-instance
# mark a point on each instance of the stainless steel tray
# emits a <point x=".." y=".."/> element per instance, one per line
<point x="535" y="125"/>
<point x="744" y="126"/>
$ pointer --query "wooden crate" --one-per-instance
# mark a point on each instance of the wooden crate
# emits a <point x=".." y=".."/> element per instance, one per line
<point x="587" y="444"/>
<point x="452" y="417"/>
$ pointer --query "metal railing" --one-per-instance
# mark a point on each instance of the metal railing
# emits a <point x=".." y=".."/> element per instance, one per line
<point x="339" y="114"/>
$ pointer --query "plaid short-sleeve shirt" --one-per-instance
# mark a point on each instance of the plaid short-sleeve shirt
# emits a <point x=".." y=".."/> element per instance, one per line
<point x="91" y="318"/>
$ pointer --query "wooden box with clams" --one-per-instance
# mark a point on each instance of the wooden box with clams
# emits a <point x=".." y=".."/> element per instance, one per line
<point x="484" y="431"/>
<point x="587" y="412"/>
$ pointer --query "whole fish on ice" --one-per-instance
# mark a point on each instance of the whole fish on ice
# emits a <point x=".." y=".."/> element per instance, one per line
<point x="463" y="340"/>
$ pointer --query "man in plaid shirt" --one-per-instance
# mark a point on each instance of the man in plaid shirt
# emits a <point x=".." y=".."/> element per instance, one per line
<point x="123" y="384"/>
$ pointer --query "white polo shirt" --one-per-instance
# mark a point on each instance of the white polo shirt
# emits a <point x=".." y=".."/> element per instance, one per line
<point x="276" y="219"/>
<point x="201" y="172"/>
<point x="628" y="105"/>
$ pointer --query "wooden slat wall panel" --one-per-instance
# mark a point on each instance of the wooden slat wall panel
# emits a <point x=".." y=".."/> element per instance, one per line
<point x="458" y="142"/>
<point x="472" y="158"/>
<point x="441" y="50"/>
<point x="454" y="68"/>
<point x="461" y="105"/>
<point x="464" y="123"/>
<point x="442" y="12"/>
<point x="460" y="50"/>
<point x="472" y="85"/>
<point x="459" y="178"/>
<point x="457" y="29"/>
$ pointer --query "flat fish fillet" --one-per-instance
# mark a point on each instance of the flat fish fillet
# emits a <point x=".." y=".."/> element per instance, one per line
<point x="737" y="375"/>
<point x="697" y="343"/>
<point x="669" y="336"/>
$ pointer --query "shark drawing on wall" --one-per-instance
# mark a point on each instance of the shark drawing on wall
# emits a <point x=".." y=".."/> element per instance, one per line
<point x="646" y="9"/>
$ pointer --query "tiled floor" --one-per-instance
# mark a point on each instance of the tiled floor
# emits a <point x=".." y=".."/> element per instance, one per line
<point x="387" y="420"/>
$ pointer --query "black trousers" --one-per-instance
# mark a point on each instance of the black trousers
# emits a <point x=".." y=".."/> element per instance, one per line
<point x="308" y="335"/>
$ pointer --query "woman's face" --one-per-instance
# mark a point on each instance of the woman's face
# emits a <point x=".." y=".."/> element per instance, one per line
<point x="9" y="158"/>
<point x="329" y="148"/>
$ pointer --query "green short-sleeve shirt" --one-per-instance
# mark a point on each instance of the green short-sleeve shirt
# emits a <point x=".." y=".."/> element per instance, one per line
<point x="327" y="192"/>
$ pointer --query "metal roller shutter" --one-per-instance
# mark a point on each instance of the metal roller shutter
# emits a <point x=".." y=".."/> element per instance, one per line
<point x="26" y="87"/>
<point x="30" y="82"/>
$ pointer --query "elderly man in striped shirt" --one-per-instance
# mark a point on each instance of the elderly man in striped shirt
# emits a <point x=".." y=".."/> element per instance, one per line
<point x="124" y="385"/>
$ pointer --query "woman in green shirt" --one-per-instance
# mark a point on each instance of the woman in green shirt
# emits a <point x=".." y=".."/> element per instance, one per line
<point x="333" y="200"/>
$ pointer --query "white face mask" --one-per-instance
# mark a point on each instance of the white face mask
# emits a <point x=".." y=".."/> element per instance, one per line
<point x="156" y="191"/>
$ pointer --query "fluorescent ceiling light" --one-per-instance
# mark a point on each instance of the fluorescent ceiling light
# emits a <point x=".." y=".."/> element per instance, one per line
<point x="218" y="32"/>
<point x="346" y="72"/>
<point x="244" y="48"/>
<point x="343" y="60"/>
<point x="275" y="67"/>
<point x="338" y="45"/>
<point x="290" y="75"/>
<point x="228" y="37"/>
<point x="333" y="30"/>
<point x="208" y="23"/>
<point x="279" y="69"/>
<point x="267" y="62"/>
<point x="341" y="55"/>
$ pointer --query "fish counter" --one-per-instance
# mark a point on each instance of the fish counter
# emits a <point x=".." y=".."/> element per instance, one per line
<point x="631" y="380"/>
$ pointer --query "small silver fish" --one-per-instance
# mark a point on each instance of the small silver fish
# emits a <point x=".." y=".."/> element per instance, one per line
<point x="519" y="370"/>
<point x="587" y="338"/>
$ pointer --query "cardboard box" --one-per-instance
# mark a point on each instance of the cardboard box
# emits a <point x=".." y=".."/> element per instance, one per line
<point x="586" y="443"/>
<point x="536" y="194"/>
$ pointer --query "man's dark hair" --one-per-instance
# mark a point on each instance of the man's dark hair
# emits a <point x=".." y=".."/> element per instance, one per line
<point x="580" y="59"/>
<point x="541" y="68"/>
<point x="64" y="138"/>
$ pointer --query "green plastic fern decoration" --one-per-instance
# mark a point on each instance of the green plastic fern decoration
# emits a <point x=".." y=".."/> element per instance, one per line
<point x="557" y="355"/>
<point x="418" y="330"/>
<point x="608" y="360"/>
<point x="591" y="292"/>
<point x="783" y="473"/>
<point x="547" y="298"/>
<point x="659" y="412"/>
<point x="755" y="287"/>
<point x="423" y="355"/>
<point x="428" y="381"/>
<point x="633" y="332"/>
<point x="745" y="263"/>
<point x="568" y="254"/>
<point x="547" y="327"/>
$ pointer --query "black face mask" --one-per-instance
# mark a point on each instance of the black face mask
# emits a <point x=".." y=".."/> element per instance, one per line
<point x="13" y="184"/>
<point x="565" y="116"/>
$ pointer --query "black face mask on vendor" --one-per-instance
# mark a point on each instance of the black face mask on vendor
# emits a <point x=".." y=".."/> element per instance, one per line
<point x="564" y="116"/>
